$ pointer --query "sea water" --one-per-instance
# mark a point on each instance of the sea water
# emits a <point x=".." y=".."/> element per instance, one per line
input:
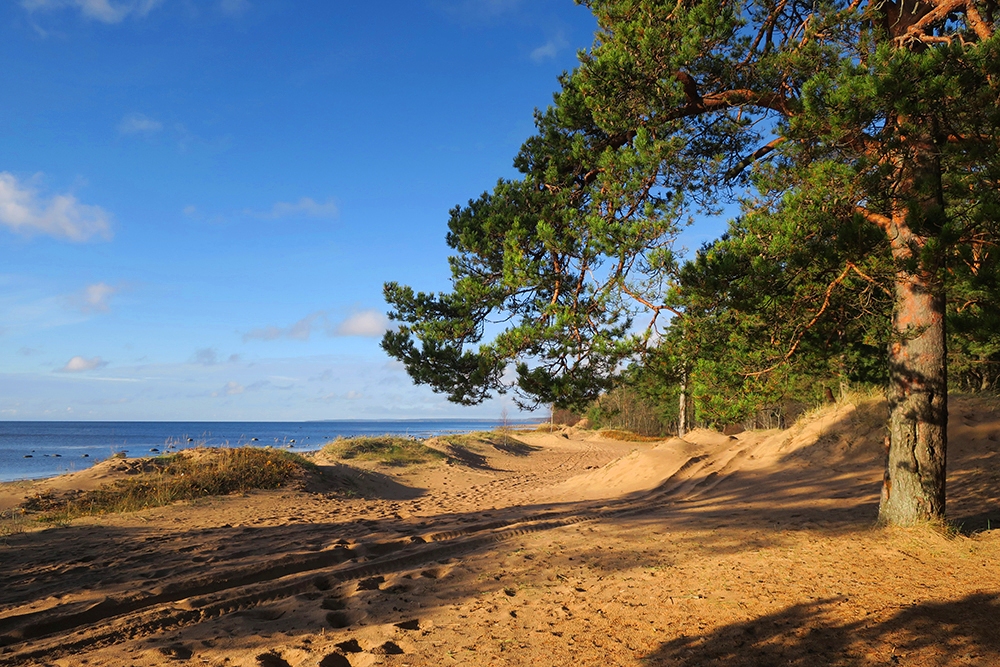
<point x="34" y="450"/>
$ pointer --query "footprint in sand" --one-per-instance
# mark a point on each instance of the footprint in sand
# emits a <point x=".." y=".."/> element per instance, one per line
<point x="178" y="651"/>
<point x="335" y="660"/>
<point x="371" y="584"/>
<point x="333" y="604"/>
<point x="388" y="648"/>
<point x="350" y="646"/>
<point x="272" y="659"/>
<point x="339" y="619"/>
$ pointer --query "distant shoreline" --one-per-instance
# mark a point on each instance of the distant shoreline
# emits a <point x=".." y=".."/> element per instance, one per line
<point x="43" y="449"/>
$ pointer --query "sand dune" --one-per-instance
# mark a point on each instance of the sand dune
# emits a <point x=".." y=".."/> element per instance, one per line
<point x="757" y="549"/>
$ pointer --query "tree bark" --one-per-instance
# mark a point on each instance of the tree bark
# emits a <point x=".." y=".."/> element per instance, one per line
<point x="914" y="485"/>
<point x="913" y="489"/>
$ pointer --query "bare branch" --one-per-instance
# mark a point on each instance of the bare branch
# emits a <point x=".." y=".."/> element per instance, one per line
<point x="812" y="322"/>
<point x="982" y="29"/>
<point x="753" y="157"/>
<point x="882" y="221"/>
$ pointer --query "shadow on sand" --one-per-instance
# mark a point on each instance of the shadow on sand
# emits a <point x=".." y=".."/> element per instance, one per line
<point x="963" y="631"/>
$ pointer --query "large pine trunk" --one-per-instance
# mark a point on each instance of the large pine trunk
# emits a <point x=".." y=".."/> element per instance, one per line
<point x="914" y="485"/>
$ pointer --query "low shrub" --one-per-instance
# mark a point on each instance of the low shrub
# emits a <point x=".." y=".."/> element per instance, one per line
<point x="500" y="440"/>
<point x="188" y="475"/>
<point x="386" y="449"/>
<point x="627" y="436"/>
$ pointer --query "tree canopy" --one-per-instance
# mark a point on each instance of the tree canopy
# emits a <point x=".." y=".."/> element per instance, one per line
<point x="861" y="141"/>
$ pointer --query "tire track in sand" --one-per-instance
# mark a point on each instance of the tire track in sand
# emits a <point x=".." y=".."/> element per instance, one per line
<point x="57" y="631"/>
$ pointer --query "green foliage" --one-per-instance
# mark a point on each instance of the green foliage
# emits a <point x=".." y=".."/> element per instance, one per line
<point x="547" y="257"/>
<point x="860" y="146"/>
<point x="636" y="409"/>
<point x="386" y="449"/>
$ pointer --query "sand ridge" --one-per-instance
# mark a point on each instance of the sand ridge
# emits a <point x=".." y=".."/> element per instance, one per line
<point x="746" y="550"/>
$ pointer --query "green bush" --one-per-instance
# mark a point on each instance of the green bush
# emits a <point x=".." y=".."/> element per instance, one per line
<point x="387" y="449"/>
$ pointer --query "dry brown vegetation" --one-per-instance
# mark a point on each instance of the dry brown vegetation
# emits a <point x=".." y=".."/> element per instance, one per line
<point x="188" y="475"/>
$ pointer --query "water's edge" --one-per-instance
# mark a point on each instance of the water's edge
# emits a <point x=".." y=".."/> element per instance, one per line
<point x="36" y="450"/>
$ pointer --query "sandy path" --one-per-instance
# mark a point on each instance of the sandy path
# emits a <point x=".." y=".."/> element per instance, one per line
<point x="756" y="550"/>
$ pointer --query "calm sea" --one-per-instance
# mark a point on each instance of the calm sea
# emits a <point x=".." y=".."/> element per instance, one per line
<point x="33" y="450"/>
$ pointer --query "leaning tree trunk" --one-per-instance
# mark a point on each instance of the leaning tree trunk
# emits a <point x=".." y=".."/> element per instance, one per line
<point x="914" y="486"/>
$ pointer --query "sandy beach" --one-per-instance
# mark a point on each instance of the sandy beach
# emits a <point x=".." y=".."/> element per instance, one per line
<point x="567" y="549"/>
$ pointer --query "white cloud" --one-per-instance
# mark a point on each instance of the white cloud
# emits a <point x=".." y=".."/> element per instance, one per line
<point x="369" y="323"/>
<point x="549" y="49"/>
<point x="79" y="364"/>
<point x="96" y="297"/>
<point x="366" y="323"/>
<point x="232" y="388"/>
<point x="305" y="206"/>
<point x="22" y="210"/>
<point x="301" y="330"/>
<point x="137" y="123"/>
<point x="105" y="11"/>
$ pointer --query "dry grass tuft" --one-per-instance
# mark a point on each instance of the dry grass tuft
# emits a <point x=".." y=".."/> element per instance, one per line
<point x="483" y="440"/>
<point x="628" y="436"/>
<point x="386" y="449"/>
<point x="12" y="522"/>
<point x="187" y="475"/>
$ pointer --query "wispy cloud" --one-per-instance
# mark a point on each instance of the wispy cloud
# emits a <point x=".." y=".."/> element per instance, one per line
<point x="24" y="211"/>
<point x="105" y="11"/>
<point x="233" y="388"/>
<point x="550" y="49"/>
<point x="137" y="123"/>
<point x="79" y="364"/>
<point x="303" y="207"/>
<point x="209" y="356"/>
<point x="95" y="298"/>
<point x="301" y="330"/>
<point x="368" y="323"/>
<point x="206" y="356"/>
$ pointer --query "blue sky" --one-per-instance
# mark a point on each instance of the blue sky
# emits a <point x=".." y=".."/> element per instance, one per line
<point x="201" y="199"/>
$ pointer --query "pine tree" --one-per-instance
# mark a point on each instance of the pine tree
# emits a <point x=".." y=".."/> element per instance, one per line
<point x="872" y="125"/>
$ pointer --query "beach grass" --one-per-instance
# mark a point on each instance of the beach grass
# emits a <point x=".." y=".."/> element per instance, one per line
<point x="187" y="475"/>
<point x="12" y="522"/>
<point x="628" y="436"/>
<point x="501" y="440"/>
<point x="385" y="449"/>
